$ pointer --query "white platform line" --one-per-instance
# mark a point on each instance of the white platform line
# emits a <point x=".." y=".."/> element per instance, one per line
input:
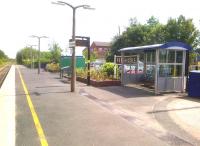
<point x="7" y="110"/>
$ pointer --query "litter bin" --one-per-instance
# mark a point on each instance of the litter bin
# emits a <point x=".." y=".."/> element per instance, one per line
<point x="194" y="84"/>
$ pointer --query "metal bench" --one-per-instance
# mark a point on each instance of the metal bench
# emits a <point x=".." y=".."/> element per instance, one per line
<point x="66" y="70"/>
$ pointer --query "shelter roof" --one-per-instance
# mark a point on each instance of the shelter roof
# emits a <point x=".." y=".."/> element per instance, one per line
<point x="169" y="45"/>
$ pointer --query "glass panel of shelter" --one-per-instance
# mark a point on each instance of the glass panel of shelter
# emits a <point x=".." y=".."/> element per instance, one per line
<point x="170" y="63"/>
<point x="150" y="66"/>
<point x="170" y="70"/>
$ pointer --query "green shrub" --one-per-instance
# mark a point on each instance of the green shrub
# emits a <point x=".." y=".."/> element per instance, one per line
<point x="108" y="69"/>
<point x="27" y="63"/>
<point x="81" y="72"/>
<point x="53" y="67"/>
<point x="94" y="74"/>
<point x="98" y="75"/>
<point x="105" y="72"/>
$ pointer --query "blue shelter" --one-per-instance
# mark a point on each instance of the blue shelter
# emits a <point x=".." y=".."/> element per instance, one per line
<point x="161" y="66"/>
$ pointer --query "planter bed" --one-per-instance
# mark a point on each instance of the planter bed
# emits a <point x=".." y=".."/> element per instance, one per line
<point x="100" y="83"/>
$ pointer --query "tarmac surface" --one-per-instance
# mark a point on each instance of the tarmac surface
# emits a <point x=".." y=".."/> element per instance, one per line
<point x="105" y="116"/>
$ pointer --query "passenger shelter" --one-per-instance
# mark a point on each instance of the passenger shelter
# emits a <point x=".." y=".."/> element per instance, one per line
<point x="159" y="66"/>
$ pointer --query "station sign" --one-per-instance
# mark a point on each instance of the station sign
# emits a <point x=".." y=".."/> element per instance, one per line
<point x="80" y="41"/>
<point x="127" y="59"/>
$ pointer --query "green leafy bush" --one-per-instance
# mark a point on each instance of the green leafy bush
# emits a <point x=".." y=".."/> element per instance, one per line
<point x="94" y="74"/>
<point x="27" y="63"/>
<point x="98" y="75"/>
<point x="108" y="69"/>
<point x="81" y="72"/>
<point x="105" y="72"/>
<point x="53" y="67"/>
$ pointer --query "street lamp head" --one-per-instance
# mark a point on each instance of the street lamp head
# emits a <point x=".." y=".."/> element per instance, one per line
<point x="62" y="3"/>
<point x="44" y="37"/>
<point x="88" y="7"/>
<point x="73" y="7"/>
<point x="31" y="45"/>
<point x="35" y="36"/>
<point x="58" y="3"/>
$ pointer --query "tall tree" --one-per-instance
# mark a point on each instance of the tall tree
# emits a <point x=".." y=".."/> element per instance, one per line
<point x="179" y="29"/>
<point x="55" y="51"/>
<point x="3" y="55"/>
<point x="92" y="55"/>
<point x="182" y="29"/>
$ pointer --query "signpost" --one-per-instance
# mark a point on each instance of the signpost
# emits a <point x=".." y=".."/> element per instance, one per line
<point x="83" y="42"/>
<point x="72" y="44"/>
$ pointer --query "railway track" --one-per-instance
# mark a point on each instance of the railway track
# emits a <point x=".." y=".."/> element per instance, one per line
<point x="3" y="73"/>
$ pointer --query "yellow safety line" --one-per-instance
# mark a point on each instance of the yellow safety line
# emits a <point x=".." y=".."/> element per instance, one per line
<point x="38" y="126"/>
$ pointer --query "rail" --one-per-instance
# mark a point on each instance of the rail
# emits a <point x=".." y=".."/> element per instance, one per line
<point x="3" y="73"/>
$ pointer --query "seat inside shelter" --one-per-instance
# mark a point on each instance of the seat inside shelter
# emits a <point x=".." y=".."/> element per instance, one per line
<point x="160" y="67"/>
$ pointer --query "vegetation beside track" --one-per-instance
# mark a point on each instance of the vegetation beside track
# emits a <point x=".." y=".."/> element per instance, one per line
<point x="3" y="72"/>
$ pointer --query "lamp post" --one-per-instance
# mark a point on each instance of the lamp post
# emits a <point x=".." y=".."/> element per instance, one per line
<point x="73" y="65"/>
<point x="32" y="56"/>
<point x="39" y="37"/>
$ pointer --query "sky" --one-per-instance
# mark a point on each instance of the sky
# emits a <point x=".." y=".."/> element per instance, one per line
<point x="19" y="19"/>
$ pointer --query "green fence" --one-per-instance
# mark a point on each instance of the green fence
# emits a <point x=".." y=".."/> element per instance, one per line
<point x="66" y="61"/>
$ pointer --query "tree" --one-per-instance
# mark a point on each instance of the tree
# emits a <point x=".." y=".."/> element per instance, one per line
<point x="45" y="56"/>
<point x="182" y="29"/>
<point x="138" y="34"/>
<point x="25" y="55"/>
<point x="3" y="55"/>
<point x="156" y="31"/>
<point x="153" y="32"/>
<point x="55" y="51"/>
<point x="152" y="21"/>
<point x="19" y="57"/>
<point x="92" y="55"/>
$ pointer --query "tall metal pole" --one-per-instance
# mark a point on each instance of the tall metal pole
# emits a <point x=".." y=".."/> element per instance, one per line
<point x="73" y="77"/>
<point x="39" y="37"/>
<point x="88" y="73"/>
<point x="33" y="62"/>
<point x="32" y="56"/>
<point x="73" y="67"/>
<point x="38" y="55"/>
